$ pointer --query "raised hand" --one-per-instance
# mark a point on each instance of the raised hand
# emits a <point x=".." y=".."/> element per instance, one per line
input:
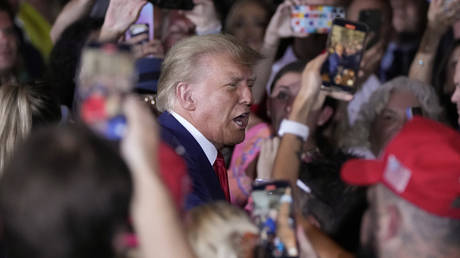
<point x="120" y="15"/>
<point x="267" y="157"/>
<point x="443" y="13"/>
<point x="142" y="47"/>
<point x="204" y="16"/>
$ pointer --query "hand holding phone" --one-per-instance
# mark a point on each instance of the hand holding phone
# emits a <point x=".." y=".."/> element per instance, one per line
<point x="143" y="25"/>
<point x="273" y="214"/>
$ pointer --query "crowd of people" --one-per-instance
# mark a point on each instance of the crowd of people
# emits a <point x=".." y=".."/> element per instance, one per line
<point x="215" y="136"/>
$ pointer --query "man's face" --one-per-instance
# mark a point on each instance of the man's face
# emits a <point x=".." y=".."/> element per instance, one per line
<point x="8" y="43"/>
<point x="456" y="96"/>
<point x="391" y="119"/>
<point x="222" y="97"/>
<point x="282" y="97"/>
<point x="369" y="226"/>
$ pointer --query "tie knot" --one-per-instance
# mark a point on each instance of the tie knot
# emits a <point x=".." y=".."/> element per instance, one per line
<point x="219" y="163"/>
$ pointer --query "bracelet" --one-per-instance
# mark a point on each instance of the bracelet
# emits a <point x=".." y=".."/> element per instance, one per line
<point x="295" y="128"/>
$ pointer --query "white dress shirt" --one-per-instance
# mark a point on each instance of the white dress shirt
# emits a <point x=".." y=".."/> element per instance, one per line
<point x="209" y="149"/>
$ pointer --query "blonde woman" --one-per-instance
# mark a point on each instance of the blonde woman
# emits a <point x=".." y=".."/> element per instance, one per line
<point x="22" y="108"/>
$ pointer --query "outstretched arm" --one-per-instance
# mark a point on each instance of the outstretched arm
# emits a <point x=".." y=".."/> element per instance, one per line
<point x="72" y="11"/>
<point x="155" y="219"/>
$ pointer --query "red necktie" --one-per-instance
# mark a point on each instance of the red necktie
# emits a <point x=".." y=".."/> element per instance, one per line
<point x="221" y="171"/>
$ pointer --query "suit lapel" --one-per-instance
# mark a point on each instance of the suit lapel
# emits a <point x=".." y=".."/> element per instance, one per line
<point x="194" y="156"/>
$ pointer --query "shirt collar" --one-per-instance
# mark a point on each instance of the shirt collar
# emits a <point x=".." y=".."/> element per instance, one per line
<point x="209" y="149"/>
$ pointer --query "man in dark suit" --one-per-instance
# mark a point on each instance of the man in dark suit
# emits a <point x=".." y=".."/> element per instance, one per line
<point x="205" y="92"/>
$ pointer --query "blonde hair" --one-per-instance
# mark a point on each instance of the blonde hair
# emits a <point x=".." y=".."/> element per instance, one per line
<point x="183" y="62"/>
<point x="216" y="229"/>
<point x="21" y="108"/>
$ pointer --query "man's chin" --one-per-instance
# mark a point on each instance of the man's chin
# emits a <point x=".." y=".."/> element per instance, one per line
<point x="235" y="139"/>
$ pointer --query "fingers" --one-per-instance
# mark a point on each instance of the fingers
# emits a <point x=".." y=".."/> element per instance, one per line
<point x="270" y="147"/>
<point x="152" y="48"/>
<point x="138" y="39"/>
<point x="315" y="64"/>
<point x="340" y="95"/>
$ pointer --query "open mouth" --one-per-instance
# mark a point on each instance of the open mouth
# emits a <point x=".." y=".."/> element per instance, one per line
<point x="242" y="120"/>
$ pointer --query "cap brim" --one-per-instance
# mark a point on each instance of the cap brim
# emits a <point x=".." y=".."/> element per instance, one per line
<point x="362" y="171"/>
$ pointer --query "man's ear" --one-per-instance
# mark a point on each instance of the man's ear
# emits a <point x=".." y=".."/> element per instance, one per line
<point x="392" y="222"/>
<point x="324" y="116"/>
<point x="184" y="96"/>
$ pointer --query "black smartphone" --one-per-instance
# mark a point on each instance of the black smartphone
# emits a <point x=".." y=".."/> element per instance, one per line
<point x="102" y="87"/>
<point x="345" y="47"/>
<point x="273" y="214"/>
<point x="373" y="19"/>
<point x="174" y="4"/>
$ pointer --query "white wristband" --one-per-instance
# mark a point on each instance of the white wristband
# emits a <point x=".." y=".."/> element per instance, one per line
<point x="295" y="128"/>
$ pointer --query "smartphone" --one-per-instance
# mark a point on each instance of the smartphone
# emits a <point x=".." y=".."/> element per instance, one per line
<point x="102" y="86"/>
<point x="315" y="18"/>
<point x="273" y="214"/>
<point x="144" y="24"/>
<point x="373" y="19"/>
<point x="345" y="47"/>
<point x="174" y="4"/>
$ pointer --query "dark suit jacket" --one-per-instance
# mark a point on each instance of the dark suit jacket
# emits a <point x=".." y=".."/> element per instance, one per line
<point x="205" y="183"/>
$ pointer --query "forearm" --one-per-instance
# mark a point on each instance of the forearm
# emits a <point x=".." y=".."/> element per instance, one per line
<point x="288" y="158"/>
<point x="287" y="161"/>
<point x="156" y="220"/>
<point x="264" y="67"/>
<point x="323" y="245"/>
<point x="73" y="11"/>
<point x="422" y="66"/>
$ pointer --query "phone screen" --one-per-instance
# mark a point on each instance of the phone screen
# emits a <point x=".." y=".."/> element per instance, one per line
<point x="144" y="24"/>
<point x="102" y="87"/>
<point x="273" y="214"/>
<point x="315" y="18"/>
<point x="345" y="48"/>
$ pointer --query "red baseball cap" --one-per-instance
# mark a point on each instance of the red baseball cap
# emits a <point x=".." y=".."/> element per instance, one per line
<point x="421" y="164"/>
